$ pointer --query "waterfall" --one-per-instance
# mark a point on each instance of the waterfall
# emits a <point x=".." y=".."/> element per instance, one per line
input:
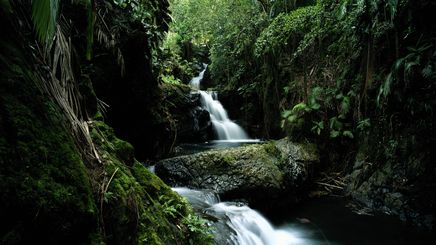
<point x="249" y="227"/>
<point x="195" y="82"/>
<point x="223" y="126"/>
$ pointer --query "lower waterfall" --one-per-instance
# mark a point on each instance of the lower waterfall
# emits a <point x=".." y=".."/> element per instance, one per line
<point x="249" y="227"/>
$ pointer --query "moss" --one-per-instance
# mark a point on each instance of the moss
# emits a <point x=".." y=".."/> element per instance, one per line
<point x="270" y="148"/>
<point x="50" y="196"/>
<point x="46" y="194"/>
<point x="137" y="206"/>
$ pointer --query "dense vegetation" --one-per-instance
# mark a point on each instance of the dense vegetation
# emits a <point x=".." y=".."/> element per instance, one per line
<point x="89" y="86"/>
<point x="65" y="177"/>
<point x="355" y="76"/>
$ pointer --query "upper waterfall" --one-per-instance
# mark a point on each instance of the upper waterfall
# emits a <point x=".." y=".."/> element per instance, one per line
<point x="223" y="126"/>
<point x="195" y="82"/>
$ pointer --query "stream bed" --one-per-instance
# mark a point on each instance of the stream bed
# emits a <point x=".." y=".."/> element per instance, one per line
<point x="331" y="220"/>
<point x="318" y="221"/>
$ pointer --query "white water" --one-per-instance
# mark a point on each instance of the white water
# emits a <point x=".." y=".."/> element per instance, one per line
<point x="195" y="82"/>
<point x="223" y="126"/>
<point x="250" y="227"/>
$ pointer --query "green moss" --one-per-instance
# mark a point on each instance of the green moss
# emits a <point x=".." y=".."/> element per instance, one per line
<point x="137" y="206"/>
<point x="49" y="195"/>
<point x="270" y="148"/>
<point x="46" y="193"/>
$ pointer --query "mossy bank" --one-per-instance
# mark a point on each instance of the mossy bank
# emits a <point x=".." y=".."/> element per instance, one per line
<point x="57" y="188"/>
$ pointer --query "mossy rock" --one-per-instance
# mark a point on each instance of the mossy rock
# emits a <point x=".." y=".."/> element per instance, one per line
<point x="257" y="173"/>
<point x="137" y="206"/>
<point x="46" y="193"/>
<point x="52" y="193"/>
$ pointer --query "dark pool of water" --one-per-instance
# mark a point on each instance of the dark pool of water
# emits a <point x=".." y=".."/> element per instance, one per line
<point x="330" y="221"/>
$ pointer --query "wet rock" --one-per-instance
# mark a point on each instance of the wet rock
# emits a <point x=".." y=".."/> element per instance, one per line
<point x="391" y="188"/>
<point x="192" y="120"/>
<point x="258" y="173"/>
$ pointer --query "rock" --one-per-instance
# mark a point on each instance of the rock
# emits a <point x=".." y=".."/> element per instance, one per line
<point x="257" y="173"/>
<point x="391" y="189"/>
<point x="297" y="161"/>
<point x="194" y="123"/>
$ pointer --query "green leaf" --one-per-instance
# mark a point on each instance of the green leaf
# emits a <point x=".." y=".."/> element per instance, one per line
<point x="286" y="113"/>
<point x="315" y="106"/>
<point x="318" y="127"/>
<point x="335" y="124"/>
<point x="44" y="17"/>
<point x="107" y="196"/>
<point x="348" y="134"/>
<point x="292" y="118"/>
<point x="398" y="63"/>
<point x="287" y="89"/>
<point x="334" y="134"/>
<point x="299" y="107"/>
<point x="363" y="124"/>
<point x="345" y="105"/>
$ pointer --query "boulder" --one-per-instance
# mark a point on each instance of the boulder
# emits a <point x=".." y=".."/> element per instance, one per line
<point x="258" y="173"/>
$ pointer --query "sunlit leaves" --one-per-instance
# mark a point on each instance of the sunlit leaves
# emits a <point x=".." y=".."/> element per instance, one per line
<point x="294" y="25"/>
<point x="153" y="14"/>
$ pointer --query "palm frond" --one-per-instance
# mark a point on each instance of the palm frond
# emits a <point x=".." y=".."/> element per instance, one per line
<point x="45" y="14"/>
<point x="90" y="28"/>
<point x="107" y="38"/>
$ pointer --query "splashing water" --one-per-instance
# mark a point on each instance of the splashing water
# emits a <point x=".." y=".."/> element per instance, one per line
<point x="223" y="126"/>
<point x="250" y="227"/>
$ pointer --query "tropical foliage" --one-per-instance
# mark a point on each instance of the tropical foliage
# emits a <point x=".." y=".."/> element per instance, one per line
<point x="313" y="61"/>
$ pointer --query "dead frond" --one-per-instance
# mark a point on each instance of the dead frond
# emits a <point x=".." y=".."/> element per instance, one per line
<point x="61" y="85"/>
<point x="107" y="38"/>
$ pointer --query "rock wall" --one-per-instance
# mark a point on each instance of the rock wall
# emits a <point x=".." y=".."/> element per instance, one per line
<point x="394" y="170"/>
<point x="191" y="122"/>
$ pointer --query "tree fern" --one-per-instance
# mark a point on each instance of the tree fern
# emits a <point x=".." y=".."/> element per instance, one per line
<point x="44" y="16"/>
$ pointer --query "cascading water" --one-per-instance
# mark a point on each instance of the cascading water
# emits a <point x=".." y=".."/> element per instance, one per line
<point x="223" y="126"/>
<point x="248" y="226"/>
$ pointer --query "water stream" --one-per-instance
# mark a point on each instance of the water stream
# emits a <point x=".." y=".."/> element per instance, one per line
<point x="244" y="225"/>
<point x="225" y="128"/>
<point x="321" y="221"/>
